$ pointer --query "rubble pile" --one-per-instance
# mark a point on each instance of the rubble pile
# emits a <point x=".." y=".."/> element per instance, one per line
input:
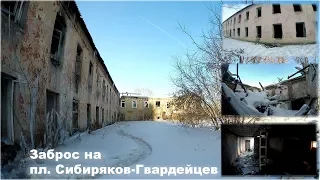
<point x="246" y="164"/>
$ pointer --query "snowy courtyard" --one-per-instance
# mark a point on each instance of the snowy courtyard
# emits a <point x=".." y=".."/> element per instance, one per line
<point x="251" y="49"/>
<point x="148" y="143"/>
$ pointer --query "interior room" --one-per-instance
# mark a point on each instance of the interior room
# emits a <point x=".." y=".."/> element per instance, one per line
<point x="277" y="149"/>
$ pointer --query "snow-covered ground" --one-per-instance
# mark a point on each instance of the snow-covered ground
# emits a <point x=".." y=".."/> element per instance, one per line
<point x="251" y="49"/>
<point x="148" y="143"/>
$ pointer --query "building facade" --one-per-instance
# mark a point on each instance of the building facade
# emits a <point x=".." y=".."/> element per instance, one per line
<point x="145" y="108"/>
<point x="50" y="66"/>
<point x="274" y="24"/>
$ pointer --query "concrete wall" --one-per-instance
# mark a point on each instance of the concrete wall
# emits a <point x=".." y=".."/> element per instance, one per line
<point x="142" y="113"/>
<point x="288" y="18"/>
<point x="291" y="89"/>
<point x="230" y="149"/>
<point x="26" y="54"/>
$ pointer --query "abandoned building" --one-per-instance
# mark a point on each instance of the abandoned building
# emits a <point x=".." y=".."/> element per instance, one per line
<point x="276" y="149"/>
<point x="145" y="108"/>
<point x="51" y="72"/>
<point x="296" y="96"/>
<point x="273" y="24"/>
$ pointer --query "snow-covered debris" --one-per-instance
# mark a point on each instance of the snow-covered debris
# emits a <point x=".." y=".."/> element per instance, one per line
<point x="259" y="104"/>
<point x="252" y="50"/>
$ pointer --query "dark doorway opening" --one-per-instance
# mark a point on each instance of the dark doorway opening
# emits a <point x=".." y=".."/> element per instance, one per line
<point x="297" y="104"/>
<point x="300" y="29"/>
<point x="247" y="145"/>
<point x="277" y="31"/>
<point x="258" y="31"/>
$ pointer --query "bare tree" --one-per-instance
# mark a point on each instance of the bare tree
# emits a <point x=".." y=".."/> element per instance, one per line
<point x="198" y="73"/>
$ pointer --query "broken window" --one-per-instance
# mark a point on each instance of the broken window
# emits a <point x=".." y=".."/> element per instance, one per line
<point x="134" y="104"/>
<point x="239" y="20"/>
<point x="258" y="31"/>
<point x="57" y="38"/>
<point x="97" y="115"/>
<point x="277" y="31"/>
<point x="259" y="12"/>
<point x="98" y="80"/>
<point x="247" y="33"/>
<point x="107" y="93"/>
<point x="157" y="103"/>
<point x="88" y="115"/>
<point x="247" y="15"/>
<point x="104" y="88"/>
<point x="314" y="7"/>
<point x="90" y="77"/>
<point x="297" y="7"/>
<point x="108" y="115"/>
<point x="276" y="8"/>
<point x="168" y="105"/>
<point x="78" y="68"/>
<point x="102" y="114"/>
<point x="52" y="108"/>
<point x="110" y="95"/>
<point x="15" y="9"/>
<point x="297" y="104"/>
<point x="300" y="29"/>
<point x="75" y="116"/>
<point x="146" y="104"/>
<point x="123" y="104"/>
<point x="238" y="31"/>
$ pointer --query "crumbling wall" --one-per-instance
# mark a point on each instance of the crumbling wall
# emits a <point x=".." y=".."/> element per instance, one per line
<point x="26" y="56"/>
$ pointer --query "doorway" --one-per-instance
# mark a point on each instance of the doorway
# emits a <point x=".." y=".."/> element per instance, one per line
<point x="247" y="145"/>
<point x="7" y="107"/>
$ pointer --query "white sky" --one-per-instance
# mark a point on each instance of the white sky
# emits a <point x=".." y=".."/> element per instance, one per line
<point x="229" y="9"/>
